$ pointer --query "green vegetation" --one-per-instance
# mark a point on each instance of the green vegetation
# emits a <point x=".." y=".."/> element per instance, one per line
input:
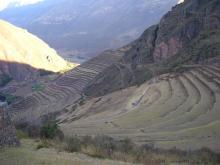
<point x="28" y="154"/>
<point x="21" y="134"/>
<point x="73" y="144"/>
<point x="4" y="80"/>
<point x="105" y="147"/>
<point x="125" y="150"/>
<point x="49" y="130"/>
<point x="44" y="143"/>
<point x="37" y="87"/>
<point x="8" y="98"/>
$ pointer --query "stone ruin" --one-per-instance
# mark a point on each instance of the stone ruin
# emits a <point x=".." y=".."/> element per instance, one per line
<point x="7" y="130"/>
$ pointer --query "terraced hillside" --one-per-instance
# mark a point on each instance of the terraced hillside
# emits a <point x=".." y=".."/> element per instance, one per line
<point x="179" y="110"/>
<point x="173" y="109"/>
<point x="132" y="64"/>
<point x="63" y="91"/>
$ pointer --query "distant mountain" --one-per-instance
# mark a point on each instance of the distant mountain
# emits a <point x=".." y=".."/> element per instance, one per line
<point x="84" y="28"/>
<point x="23" y="55"/>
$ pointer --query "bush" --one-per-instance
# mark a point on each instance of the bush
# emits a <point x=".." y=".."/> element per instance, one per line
<point x="33" y="131"/>
<point x="50" y="130"/>
<point x="43" y="144"/>
<point x="126" y="150"/>
<point x="104" y="145"/>
<point x="21" y="134"/>
<point x="73" y="144"/>
<point x="126" y="146"/>
<point x="8" y="98"/>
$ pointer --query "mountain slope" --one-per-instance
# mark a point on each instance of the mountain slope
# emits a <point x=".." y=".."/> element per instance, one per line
<point x="173" y="110"/>
<point x="186" y="35"/>
<point x="177" y="109"/>
<point x="22" y="54"/>
<point x="85" y="28"/>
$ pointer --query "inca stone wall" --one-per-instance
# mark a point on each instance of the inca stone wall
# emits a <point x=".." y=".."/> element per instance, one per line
<point x="7" y="130"/>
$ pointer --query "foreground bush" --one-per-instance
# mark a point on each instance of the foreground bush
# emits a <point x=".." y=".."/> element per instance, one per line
<point x="73" y="144"/>
<point x="123" y="150"/>
<point x="51" y="130"/>
<point x="126" y="150"/>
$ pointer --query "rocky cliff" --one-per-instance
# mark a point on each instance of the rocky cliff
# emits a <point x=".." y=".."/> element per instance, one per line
<point x="189" y="33"/>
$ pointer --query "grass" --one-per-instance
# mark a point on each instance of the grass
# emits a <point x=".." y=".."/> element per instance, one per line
<point x="28" y="154"/>
<point x="100" y="150"/>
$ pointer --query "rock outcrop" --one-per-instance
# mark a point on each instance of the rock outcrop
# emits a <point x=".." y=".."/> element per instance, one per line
<point x="7" y="130"/>
<point x="179" y="27"/>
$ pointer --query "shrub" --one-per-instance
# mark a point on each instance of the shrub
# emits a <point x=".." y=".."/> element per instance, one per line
<point x="21" y="134"/>
<point x="50" y="130"/>
<point x="10" y="98"/>
<point x="73" y="144"/>
<point x="126" y="146"/>
<point x="126" y="150"/>
<point x="33" y="131"/>
<point x="43" y="144"/>
<point x="105" y="145"/>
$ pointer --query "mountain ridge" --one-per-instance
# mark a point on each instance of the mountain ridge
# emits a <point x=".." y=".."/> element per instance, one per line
<point x="182" y="36"/>
<point x="23" y="54"/>
<point x="81" y="30"/>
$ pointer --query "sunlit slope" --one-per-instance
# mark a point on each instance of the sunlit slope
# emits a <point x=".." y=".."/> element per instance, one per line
<point x="19" y="46"/>
<point x="172" y="110"/>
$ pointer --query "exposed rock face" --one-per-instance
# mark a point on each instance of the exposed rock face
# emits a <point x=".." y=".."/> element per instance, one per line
<point x="187" y="34"/>
<point x="184" y="23"/>
<point x="7" y="130"/>
<point x="22" y="54"/>
<point x="166" y="50"/>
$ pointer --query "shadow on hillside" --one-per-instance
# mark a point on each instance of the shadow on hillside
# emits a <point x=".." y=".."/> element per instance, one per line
<point x="19" y="72"/>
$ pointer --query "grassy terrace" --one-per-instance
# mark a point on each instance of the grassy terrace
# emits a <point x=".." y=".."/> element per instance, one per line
<point x="170" y="112"/>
